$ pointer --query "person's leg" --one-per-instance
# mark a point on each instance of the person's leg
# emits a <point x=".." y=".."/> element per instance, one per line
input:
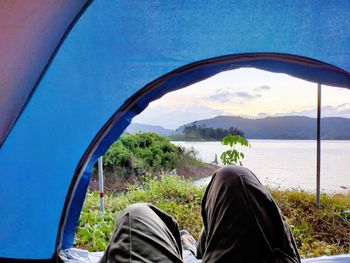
<point x="242" y="223"/>
<point x="144" y="234"/>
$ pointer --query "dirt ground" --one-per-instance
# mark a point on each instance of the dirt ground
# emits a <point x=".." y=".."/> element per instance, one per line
<point x="198" y="171"/>
<point x="116" y="184"/>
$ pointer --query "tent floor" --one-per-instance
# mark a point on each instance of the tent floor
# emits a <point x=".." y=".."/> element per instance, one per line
<point x="74" y="255"/>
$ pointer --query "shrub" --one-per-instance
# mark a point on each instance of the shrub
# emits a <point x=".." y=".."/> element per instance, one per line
<point x="137" y="154"/>
<point x="175" y="196"/>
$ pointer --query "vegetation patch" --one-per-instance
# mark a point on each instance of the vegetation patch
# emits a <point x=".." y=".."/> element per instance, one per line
<point x="318" y="231"/>
<point x="169" y="192"/>
<point x="135" y="155"/>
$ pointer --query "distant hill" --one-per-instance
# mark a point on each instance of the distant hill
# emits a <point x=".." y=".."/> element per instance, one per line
<point x="139" y="127"/>
<point x="285" y="127"/>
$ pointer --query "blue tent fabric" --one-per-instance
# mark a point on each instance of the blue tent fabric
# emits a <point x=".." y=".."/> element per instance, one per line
<point x="117" y="58"/>
<point x="31" y="33"/>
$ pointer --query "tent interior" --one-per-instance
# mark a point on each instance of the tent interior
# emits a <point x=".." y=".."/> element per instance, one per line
<point x="74" y="74"/>
<point x="78" y="255"/>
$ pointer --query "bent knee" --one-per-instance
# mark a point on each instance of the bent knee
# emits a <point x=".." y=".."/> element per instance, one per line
<point x="233" y="175"/>
<point x="137" y="208"/>
<point x="232" y="172"/>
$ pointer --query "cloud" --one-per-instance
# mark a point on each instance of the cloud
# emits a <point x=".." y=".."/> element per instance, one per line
<point x="262" y="114"/>
<point x="237" y="97"/>
<point x="309" y="113"/>
<point x="262" y="88"/>
<point x="344" y="106"/>
<point x="222" y="96"/>
<point x="341" y="110"/>
<point x="242" y="94"/>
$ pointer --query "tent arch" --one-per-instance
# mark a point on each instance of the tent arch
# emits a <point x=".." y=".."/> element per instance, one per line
<point x="116" y="48"/>
<point x="297" y="66"/>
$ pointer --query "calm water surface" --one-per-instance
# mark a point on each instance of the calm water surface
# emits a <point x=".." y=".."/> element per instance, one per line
<point x="288" y="163"/>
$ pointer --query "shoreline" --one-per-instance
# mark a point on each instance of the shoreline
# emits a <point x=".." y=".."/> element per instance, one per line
<point x="190" y="171"/>
<point x="203" y="181"/>
<point x="257" y="139"/>
<point x="198" y="174"/>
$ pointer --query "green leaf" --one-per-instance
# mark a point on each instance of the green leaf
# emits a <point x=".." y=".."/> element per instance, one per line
<point x="233" y="156"/>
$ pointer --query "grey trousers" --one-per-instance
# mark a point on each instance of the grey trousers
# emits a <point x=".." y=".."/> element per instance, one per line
<point x="241" y="224"/>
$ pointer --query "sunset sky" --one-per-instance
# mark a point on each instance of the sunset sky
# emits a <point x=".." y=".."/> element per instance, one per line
<point x="245" y="92"/>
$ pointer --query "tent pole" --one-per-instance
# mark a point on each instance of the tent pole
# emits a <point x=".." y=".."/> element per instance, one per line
<point x="318" y="165"/>
<point x="100" y="183"/>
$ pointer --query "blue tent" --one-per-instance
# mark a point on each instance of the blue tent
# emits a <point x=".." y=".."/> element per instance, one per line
<point x="75" y="73"/>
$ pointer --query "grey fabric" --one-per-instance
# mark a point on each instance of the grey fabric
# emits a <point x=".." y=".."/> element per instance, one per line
<point x="241" y="224"/>
<point x="144" y="234"/>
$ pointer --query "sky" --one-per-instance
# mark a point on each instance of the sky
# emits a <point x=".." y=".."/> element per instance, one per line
<point x="246" y="92"/>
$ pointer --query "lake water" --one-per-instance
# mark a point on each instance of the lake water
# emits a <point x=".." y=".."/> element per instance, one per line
<point x="288" y="163"/>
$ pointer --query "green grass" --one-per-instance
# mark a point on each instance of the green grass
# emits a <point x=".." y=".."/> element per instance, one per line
<point x="173" y="195"/>
<point x="318" y="231"/>
<point x="323" y="230"/>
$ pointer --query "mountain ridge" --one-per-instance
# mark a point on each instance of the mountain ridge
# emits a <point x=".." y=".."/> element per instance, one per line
<point x="280" y="127"/>
<point x="140" y="127"/>
<point x="271" y="127"/>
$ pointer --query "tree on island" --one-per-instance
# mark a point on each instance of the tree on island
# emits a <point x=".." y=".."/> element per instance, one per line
<point x="231" y="137"/>
<point x="210" y="133"/>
